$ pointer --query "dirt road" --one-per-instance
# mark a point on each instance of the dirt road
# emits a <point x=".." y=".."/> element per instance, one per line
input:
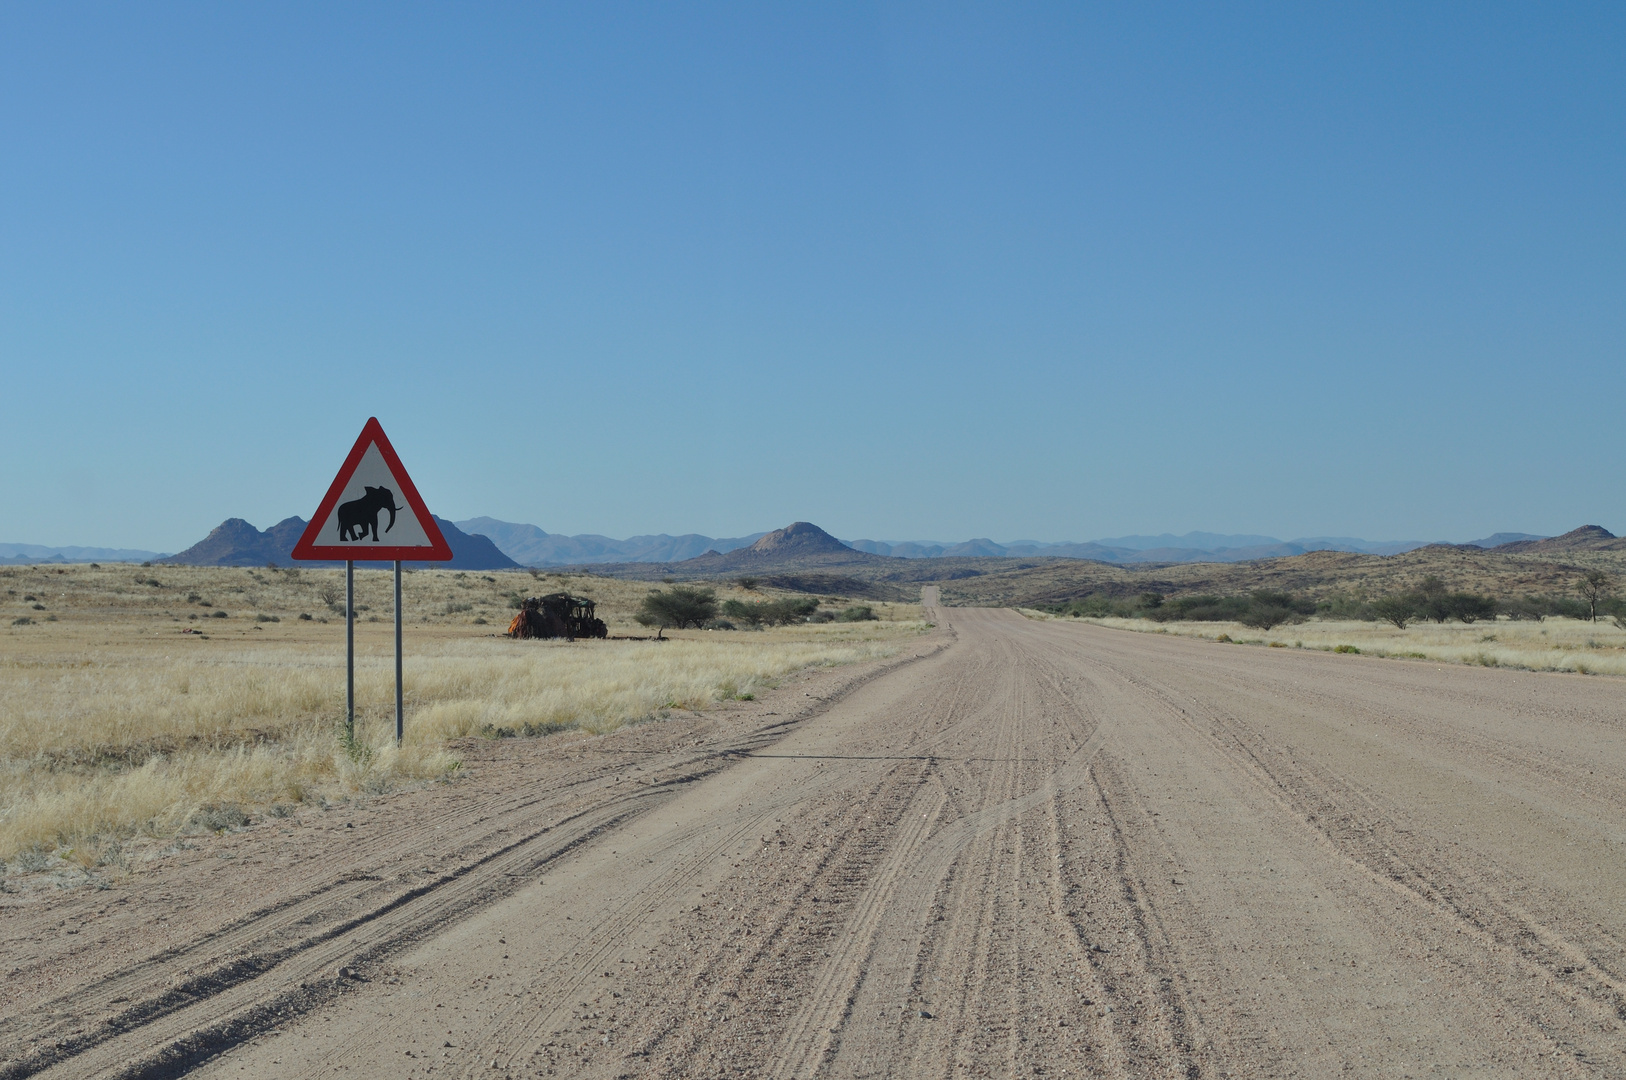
<point x="1041" y="849"/>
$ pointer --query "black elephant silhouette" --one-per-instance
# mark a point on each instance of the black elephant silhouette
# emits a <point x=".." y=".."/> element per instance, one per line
<point x="358" y="516"/>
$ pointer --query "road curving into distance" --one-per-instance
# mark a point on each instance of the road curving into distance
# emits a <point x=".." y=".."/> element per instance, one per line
<point x="1047" y="849"/>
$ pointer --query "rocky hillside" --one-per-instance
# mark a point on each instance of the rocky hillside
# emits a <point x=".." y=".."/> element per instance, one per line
<point x="1586" y="538"/>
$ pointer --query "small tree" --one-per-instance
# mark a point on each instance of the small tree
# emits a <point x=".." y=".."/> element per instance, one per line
<point x="1269" y="609"/>
<point x="677" y="607"/>
<point x="749" y="584"/>
<point x="1431" y="600"/>
<point x="1594" y="586"/>
<point x="746" y="613"/>
<point x="1470" y="607"/>
<point x="1398" y="608"/>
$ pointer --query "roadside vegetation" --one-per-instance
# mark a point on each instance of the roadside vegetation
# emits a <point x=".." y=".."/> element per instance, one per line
<point x="1583" y="631"/>
<point x="129" y="710"/>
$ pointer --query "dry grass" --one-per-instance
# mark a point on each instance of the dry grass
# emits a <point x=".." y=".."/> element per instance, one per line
<point x="1552" y="645"/>
<point x="117" y="720"/>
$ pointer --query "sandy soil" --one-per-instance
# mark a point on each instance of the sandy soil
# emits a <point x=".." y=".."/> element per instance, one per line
<point x="1025" y="849"/>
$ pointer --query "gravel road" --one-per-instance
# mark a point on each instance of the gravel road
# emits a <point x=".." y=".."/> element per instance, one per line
<point x="1027" y="849"/>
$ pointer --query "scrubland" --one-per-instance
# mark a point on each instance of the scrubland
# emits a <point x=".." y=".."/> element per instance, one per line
<point x="147" y="701"/>
<point x="1553" y="644"/>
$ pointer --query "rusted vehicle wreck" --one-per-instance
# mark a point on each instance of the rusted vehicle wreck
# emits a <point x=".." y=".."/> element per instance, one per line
<point x="557" y="615"/>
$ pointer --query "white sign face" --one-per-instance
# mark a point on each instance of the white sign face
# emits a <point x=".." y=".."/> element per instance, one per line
<point x="372" y="511"/>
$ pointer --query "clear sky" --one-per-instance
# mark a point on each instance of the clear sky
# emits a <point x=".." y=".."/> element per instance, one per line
<point x="929" y="271"/>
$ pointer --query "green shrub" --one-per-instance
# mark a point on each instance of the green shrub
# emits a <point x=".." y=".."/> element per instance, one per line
<point x="1344" y="606"/>
<point x="1466" y="607"/>
<point x="1092" y="607"/>
<point x="1201" y="608"/>
<point x="677" y="607"/>
<point x="1540" y="607"/>
<point x="1400" y="609"/>
<point x="1346" y="649"/>
<point x="1268" y="609"/>
<point x="1262" y="610"/>
<point x="771" y="612"/>
<point x="857" y="613"/>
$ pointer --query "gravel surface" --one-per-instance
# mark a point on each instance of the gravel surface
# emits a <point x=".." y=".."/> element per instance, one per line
<point x="1025" y="849"/>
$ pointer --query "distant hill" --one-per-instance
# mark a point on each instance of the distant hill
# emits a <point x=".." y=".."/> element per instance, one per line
<point x="798" y="546"/>
<point x="800" y="556"/>
<point x="1166" y="548"/>
<point x="234" y="542"/>
<point x="1498" y="539"/>
<point x="1586" y="538"/>
<point x="1196" y="541"/>
<point x="28" y="554"/>
<point x="530" y="546"/>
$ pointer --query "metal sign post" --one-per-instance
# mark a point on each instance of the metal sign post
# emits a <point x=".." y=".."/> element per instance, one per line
<point x="400" y="720"/>
<point x="347" y="526"/>
<point x="349" y="650"/>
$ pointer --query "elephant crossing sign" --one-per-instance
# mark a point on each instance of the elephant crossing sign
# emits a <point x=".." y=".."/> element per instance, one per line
<point x="372" y="510"/>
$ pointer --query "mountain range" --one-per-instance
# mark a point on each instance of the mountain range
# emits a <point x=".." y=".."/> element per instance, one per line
<point x="487" y="543"/>
<point x="804" y="558"/>
<point x="234" y="542"/>
<point x="32" y="554"/>
<point x="531" y="546"/>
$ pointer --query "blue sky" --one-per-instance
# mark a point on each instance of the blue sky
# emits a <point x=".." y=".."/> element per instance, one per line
<point x="940" y="271"/>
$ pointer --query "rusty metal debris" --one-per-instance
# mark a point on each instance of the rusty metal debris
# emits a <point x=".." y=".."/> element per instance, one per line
<point x="557" y="615"/>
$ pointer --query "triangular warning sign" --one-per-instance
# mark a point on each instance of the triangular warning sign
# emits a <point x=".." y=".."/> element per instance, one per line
<point x="372" y="511"/>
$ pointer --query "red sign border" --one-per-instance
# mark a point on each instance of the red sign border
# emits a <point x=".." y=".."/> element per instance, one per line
<point x="307" y="548"/>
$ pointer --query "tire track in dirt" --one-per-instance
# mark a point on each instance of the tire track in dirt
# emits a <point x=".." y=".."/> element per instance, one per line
<point x="1079" y="851"/>
<point x="262" y="970"/>
<point x="1392" y="853"/>
<point x="985" y="846"/>
<point x="892" y="800"/>
<point x="1311" y="795"/>
<point x="676" y="857"/>
<point x="982" y="842"/>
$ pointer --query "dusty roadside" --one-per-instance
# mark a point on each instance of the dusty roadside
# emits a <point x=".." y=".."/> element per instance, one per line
<point x="1042" y="850"/>
<point x="122" y="953"/>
